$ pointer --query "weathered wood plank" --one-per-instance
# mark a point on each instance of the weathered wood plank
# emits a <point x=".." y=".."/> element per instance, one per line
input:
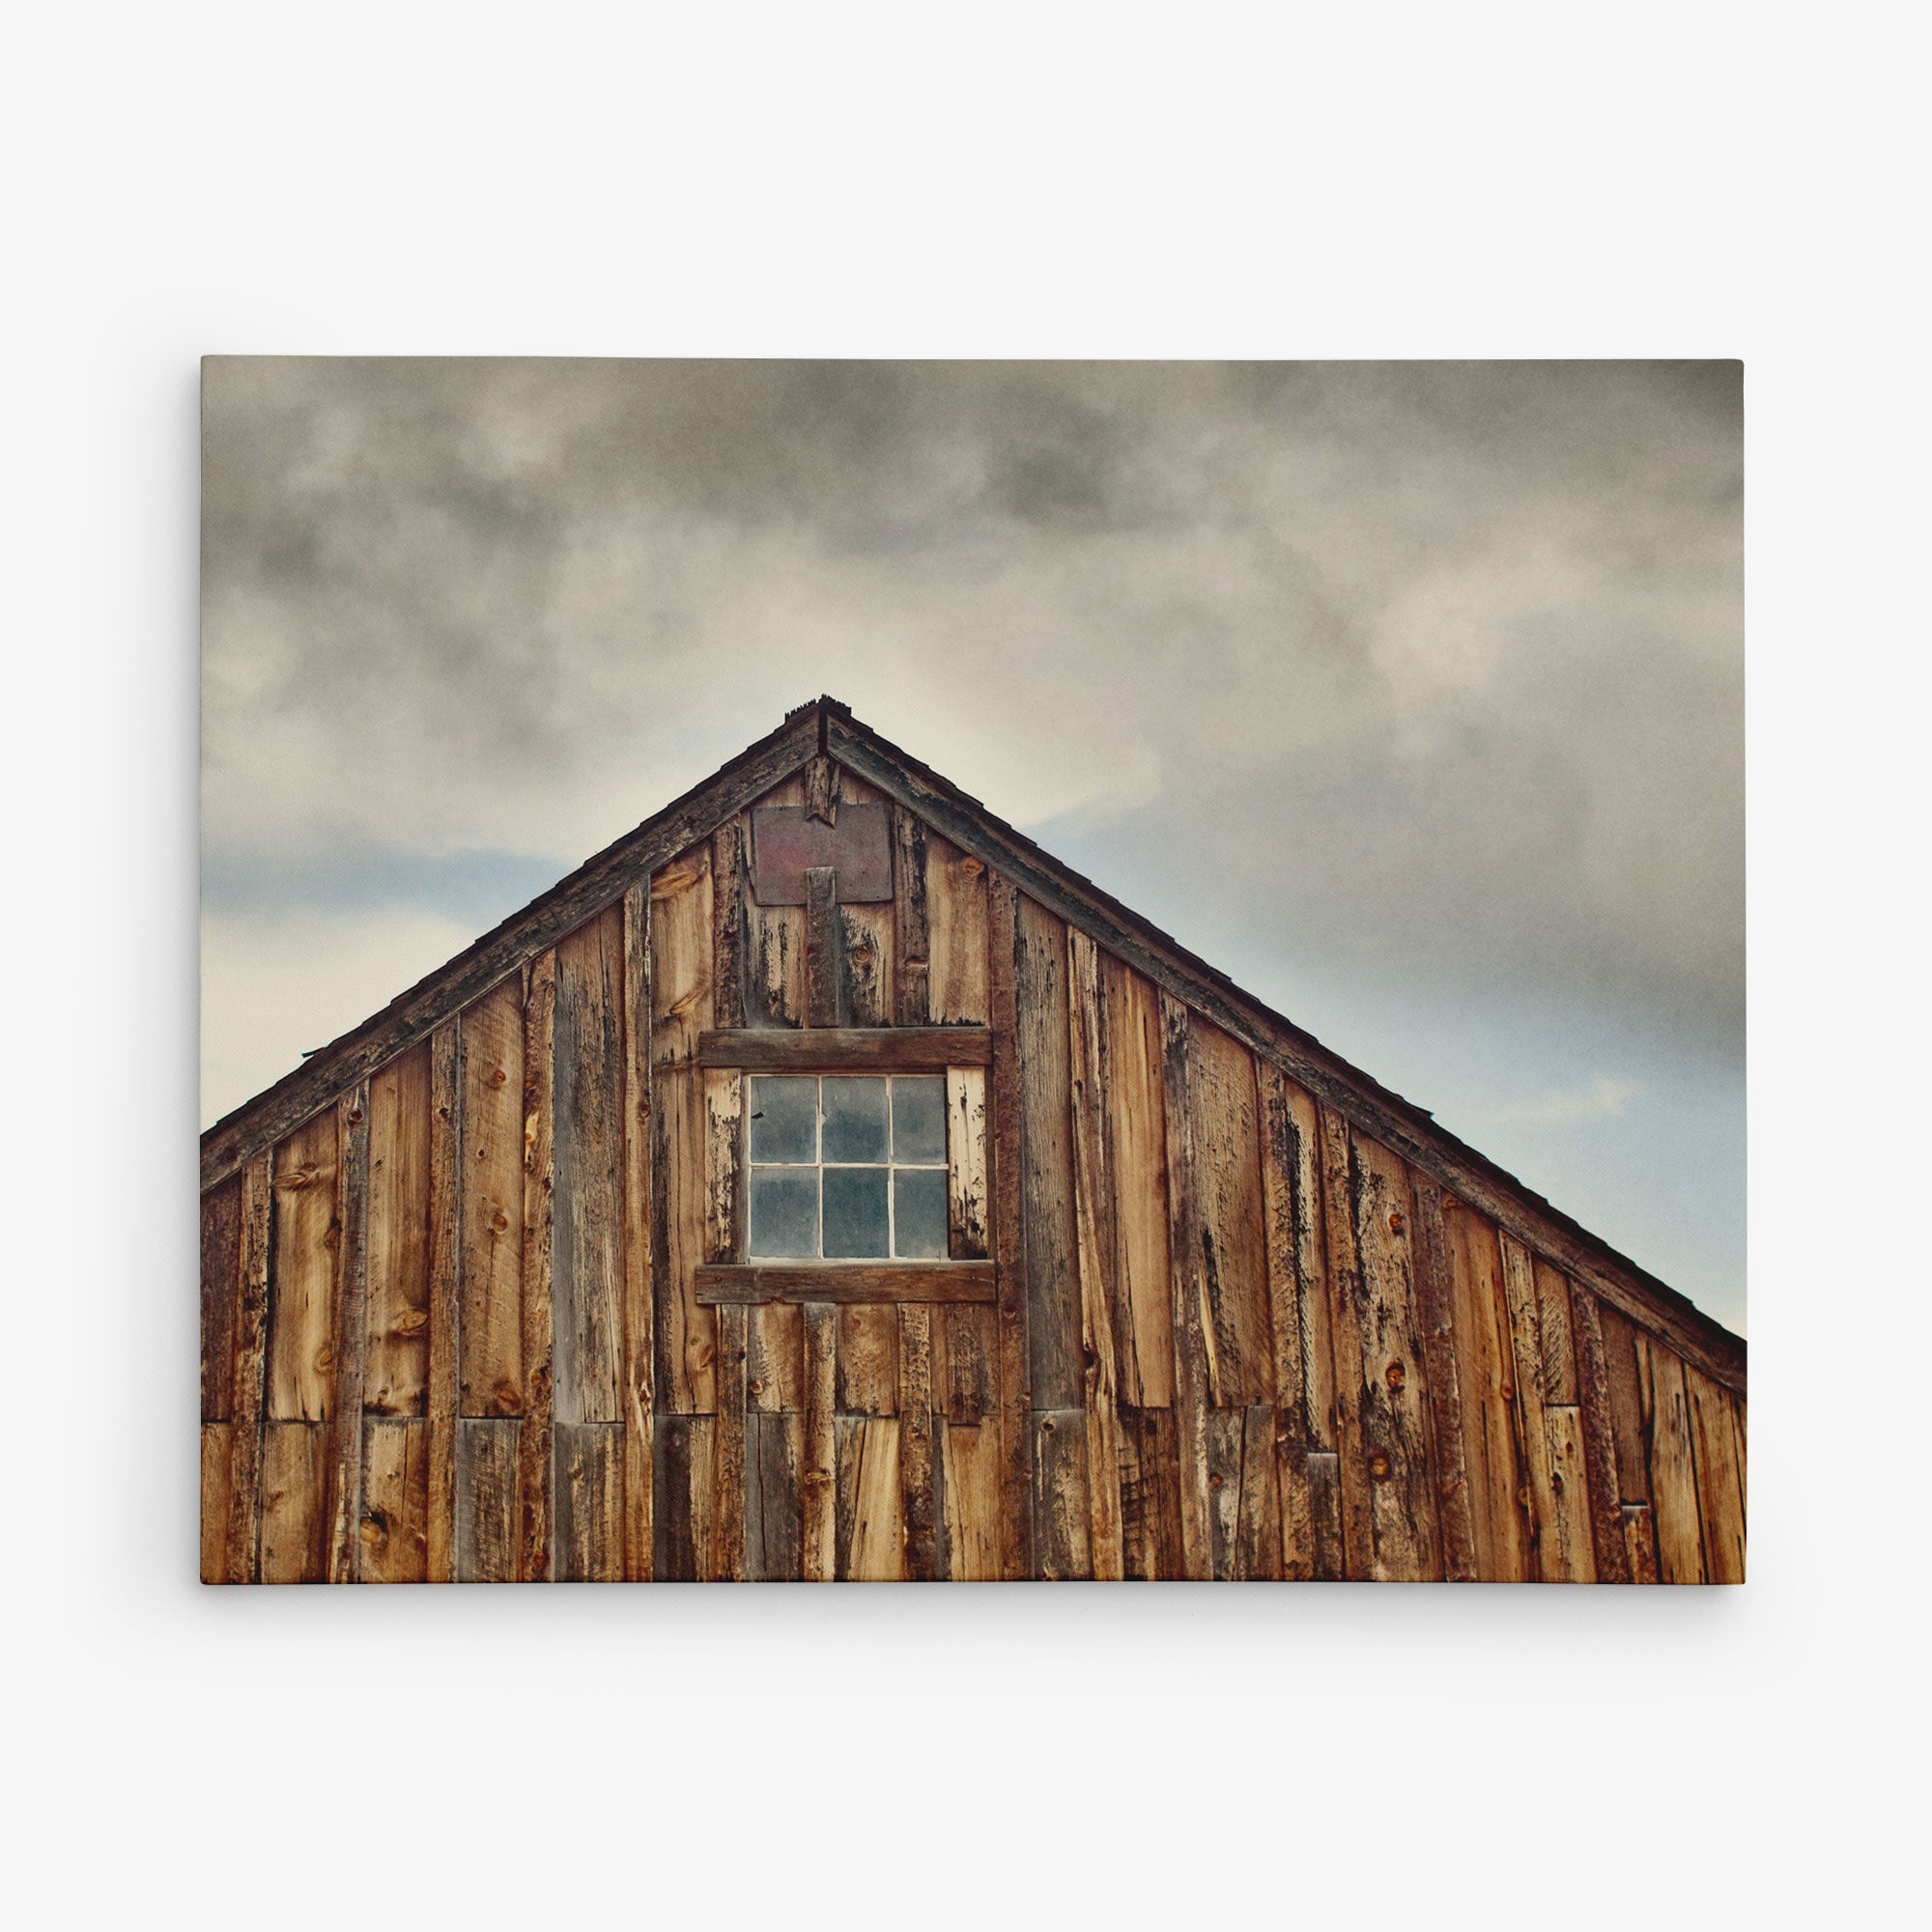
<point x="868" y="1350"/>
<point x="1228" y="1218"/>
<point x="970" y="1458"/>
<point x="1600" y="1453"/>
<point x="723" y="1178"/>
<point x="491" y="1327"/>
<point x="1245" y="1494"/>
<point x="774" y="970"/>
<point x="1567" y="1555"/>
<point x="821" y="790"/>
<point x="1640" y="1543"/>
<point x="1559" y="1357"/>
<point x="774" y="1356"/>
<point x="486" y="1499"/>
<point x="972" y="1359"/>
<point x="639" y="1348"/>
<point x="872" y="1524"/>
<point x="727" y="1563"/>
<point x="590" y="1502"/>
<point x="1134" y="1144"/>
<point x="504" y="953"/>
<point x="1346" y="1332"/>
<point x="911" y="933"/>
<point x="395" y="1379"/>
<point x="818" y="1479"/>
<point x="1526" y="1324"/>
<point x="1188" y="1309"/>
<point x="1046" y="1155"/>
<point x="587" y="1255"/>
<point x="1006" y="1180"/>
<point x="1289" y="1245"/>
<point x="221" y="1298"/>
<point x="730" y="926"/>
<point x="1062" y="1509"/>
<point x="867" y="996"/>
<point x="824" y="967"/>
<point x="686" y="1334"/>
<point x="956" y="935"/>
<point x="443" y="1395"/>
<point x="295" y="1502"/>
<point x="847" y="1049"/>
<point x="682" y="1516"/>
<point x="1668" y="1430"/>
<point x="348" y="1322"/>
<point x="917" y="1492"/>
<point x="1436" y="1322"/>
<point x="393" y="1534"/>
<point x="1151" y="1547"/>
<point x="533" y="1439"/>
<point x="1338" y="1085"/>
<point x="1485" y="1376"/>
<point x="241" y="1561"/>
<point x="966" y="1162"/>
<point x="1721" y="1486"/>
<point x="1625" y="1405"/>
<point x="218" y="1451"/>
<point x="1097" y="1253"/>
<point x="1324" y="1512"/>
<point x="308" y="1234"/>
<point x="774" y="1532"/>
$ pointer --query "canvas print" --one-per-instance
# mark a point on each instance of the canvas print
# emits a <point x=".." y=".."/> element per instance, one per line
<point x="772" y="939"/>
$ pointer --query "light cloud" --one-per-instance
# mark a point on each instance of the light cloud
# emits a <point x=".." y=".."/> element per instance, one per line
<point x="1602" y="1099"/>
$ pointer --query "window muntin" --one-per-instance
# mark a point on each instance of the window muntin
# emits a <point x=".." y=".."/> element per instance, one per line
<point x="847" y="1167"/>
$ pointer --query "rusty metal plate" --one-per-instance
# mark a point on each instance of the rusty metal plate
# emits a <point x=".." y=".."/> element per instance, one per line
<point x="785" y="842"/>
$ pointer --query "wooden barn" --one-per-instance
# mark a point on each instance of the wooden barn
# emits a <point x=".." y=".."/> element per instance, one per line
<point x="823" y="1182"/>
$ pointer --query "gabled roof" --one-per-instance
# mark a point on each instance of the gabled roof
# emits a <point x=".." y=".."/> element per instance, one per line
<point x="825" y="727"/>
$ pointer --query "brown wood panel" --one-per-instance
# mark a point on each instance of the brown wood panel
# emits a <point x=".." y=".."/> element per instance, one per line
<point x="1640" y="1543"/>
<point x="871" y="1523"/>
<point x="533" y="1438"/>
<point x="587" y="1255"/>
<point x="865" y="965"/>
<point x="295" y="1504"/>
<point x="348" y="1322"/>
<point x="1669" y="1431"/>
<point x="869" y="1357"/>
<point x="486" y="1499"/>
<point x="640" y="1349"/>
<point x="1324" y="1512"/>
<point x="824" y="949"/>
<point x="221" y="1297"/>
<point x="1721" y="1477"/>
<point x="1442" y="1388"/>
<point x="966" y="1162"/>
<point x="1559" y="1356"/>
<point x="1344" y="1329"/>
<point x="241" y="1562"/>
<point x="1568" y="1554"/>
<point x="1288" y="1168"/>
<point x="1485" y="1376"/>
<point x="308" y="1234"/>
<point x="491" y="1324"/>
<point x="682" y="1514"/>
<point x="1046" y="1158"/>
<point x="1228" y="1218"/>
<point x="853" y="1284"/>
<point x="680" y="943"/>
<point x="773" y="971"/>
<point x="1188" y="1289"/>
<point x="1625" y="1405"/>
<point x="775" y="1357"/>
<point x="394" y="1529"/>
<point x="1245" y="1494"/>
<point x="443" y="1395"/>
<point x="1600" y="1453"/>
<point x="970" y="1458"/>
<point x="773" y="1498"/>
<point x="590" y="1502"/>
<point x="843" y="1049"/>
<point x="1135" y="1145"/>
<point x="217" y="1450"/>
<point x="395" y="1378"/>
<point x="818" y="1479"/>
<point x="1063" y="1511"/>
<point x="918" y="1471"/>
<point x="727" y="1562"/>
<point x="1150" y="1545"/>
<point x="911" y="940"/>
<point x="1395" y="1433"/>
<point x="1010" y="1236"/>
<point x="1526" y="1324"/>
<point x="730" y="898"/>
<point x="956" y="935"/>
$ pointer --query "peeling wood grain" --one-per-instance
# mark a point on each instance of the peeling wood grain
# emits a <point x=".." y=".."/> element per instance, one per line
<point x="1010" y="1237"/>
<point x="871" y="1526"/>
<point x="971" y="1383"/>
<point x="486" y="1499"/>
<point x="295" y="1504"/>
<point x="1527" y="1364"/>
<point x="775" y="1357"/>
<point x="1062" y="1512"/>
<point x="1559" y="1357"/>
<point x="966" y="1162"/>
<point x="1243" y="1493"/>
<point x="824" y="965"/>
<point x="730" y="931"/>
<point x="774" y="1530"/>
<point x="1188" y="1288"/>
<point x="868" y="1349"/>
<point x="917" y="1470"/>
<point x="395" y="1378"/>
<point x="1626" y="1405"/>
<point x="490" y="1350"/>
<point x="956" y="935"/>
<point x="241" y="1562"/>
<point x="347" y="1327"/>
<point x="1345" y="1298"/>
<point x="639" y="1348"/>
<point x="1568" y="1554"/>
<point x="1325" y="1510"/>
<point x="533" y="1439"/>
<point x="443" y="1394"/>
<point x="727" y="1563"/>
<point x="1640" y="1543"/>
<point x="682" y="1514"/>
<point x="818" y="1479"/>
<point x="1434" y="1309"/>
<point x="308" y="1234"/>
<point x="590" y="1502"/>
<point x="911" y="940"/>
<point x="393" y="1532"/>
<point x="1151" y="1542"/>
<point x="1135" y="1146"/>
<point x="218" y="1451"/>
<point x="970" y="1458"/>
<point x="1607" y="1524"/>
<point x="1720" y="1487"/>
<point x="1226" y="1144"/>
<point x="1673" y="1471"/>
<point x="221" y="1298"/>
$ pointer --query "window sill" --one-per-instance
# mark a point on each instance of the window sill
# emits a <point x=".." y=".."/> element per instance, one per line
<point x="846" y="1282"/>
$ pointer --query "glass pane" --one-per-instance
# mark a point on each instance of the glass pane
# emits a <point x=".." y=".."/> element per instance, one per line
<point x="919" y="1119"/>
<point x="784" y="1119"/>
<point x="855" y="1211"/>
<point x="854" y="1121"/>
<point x="919" y="1212"/>
<point x="784" y="1211"/>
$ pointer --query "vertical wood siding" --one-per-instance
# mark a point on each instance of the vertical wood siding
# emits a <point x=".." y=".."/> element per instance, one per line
<point x="450" y="1328"/>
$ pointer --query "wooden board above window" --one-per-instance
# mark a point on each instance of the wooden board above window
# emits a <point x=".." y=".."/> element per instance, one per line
<point x="845" y="1049"/>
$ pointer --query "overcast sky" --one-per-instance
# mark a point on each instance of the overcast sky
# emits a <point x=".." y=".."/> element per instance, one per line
<point x="1409" y="695"/>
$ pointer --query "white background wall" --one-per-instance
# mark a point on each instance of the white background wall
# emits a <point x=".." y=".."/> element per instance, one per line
<point x="1019" y="181"/>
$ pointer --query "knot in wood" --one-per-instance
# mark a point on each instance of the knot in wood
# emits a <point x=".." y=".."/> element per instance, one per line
<point x="1378" y="1467"/>
<point x="1395" y="1222"/>
<point x="1394" y="1376"/>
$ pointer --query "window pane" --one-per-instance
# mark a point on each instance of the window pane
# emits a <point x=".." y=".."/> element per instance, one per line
<point x="919" y="1212"/>
<point x="855" y="1211"/>
<point x="919" y="1119"/>
<point x="785" y="1210"/>
<point x="784" y="1119"/>
<point x="854" y="1121"/>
